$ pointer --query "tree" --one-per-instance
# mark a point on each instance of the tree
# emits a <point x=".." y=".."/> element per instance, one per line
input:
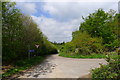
<point x="11" y="30"/>
<point x="19" y="31"/>
<point x="100" y="24"/>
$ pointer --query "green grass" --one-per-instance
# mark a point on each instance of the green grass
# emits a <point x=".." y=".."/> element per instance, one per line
<point x="23" y="65"/>
<point x="82" y="56"/>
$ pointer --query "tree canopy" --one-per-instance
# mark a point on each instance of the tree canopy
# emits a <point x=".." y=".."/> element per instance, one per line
<point x="18" y="32"/>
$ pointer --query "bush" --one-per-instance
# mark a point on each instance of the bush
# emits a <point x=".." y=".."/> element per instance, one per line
<point x="68" y="47"/>
<point x="87" y="44"/>
<point x="83" y="43"/>
<point x="112" y="46"/>
<point x="50" y="48"/>
<point x="111" y="70"/>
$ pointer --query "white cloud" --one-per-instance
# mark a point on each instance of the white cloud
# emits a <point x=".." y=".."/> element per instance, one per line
<point x="68" y="11"/>
<point x="80" y="0"/>
<point x="66" y="16"/>
<point x="56" y="31"/>
<point x="28" y="8"/>
<point x="65" y="0"/>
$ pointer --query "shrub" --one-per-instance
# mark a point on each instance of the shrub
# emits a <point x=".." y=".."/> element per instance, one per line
<point x="83" y="43"/>
<point x="86" y="44"/>
<point x="112" y="46"/>
<point x="111" y="70"/>
<point x="68" y="48"/>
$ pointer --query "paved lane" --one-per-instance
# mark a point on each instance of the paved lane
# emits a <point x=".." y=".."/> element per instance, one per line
<point x="60" y="67"/>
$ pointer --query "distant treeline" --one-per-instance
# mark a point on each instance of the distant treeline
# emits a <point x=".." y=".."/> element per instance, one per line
<point x="19" y="33"/>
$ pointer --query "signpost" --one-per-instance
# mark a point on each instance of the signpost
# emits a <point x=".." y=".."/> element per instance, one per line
<point x="31" y="50"/>
<point x="37" y="45"/>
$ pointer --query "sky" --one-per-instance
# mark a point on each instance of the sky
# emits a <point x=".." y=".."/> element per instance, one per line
<point x="57" y="19"/>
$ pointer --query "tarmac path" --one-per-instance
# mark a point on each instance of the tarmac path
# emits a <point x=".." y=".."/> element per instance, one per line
<point x="56" y="66"/>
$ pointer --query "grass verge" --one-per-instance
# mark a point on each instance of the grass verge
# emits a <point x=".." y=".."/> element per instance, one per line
<point x="82" y="56"/>
<point x="23" y="65"/>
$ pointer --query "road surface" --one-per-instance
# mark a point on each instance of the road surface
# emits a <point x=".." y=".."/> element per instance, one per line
<point x="60" y="67"/>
